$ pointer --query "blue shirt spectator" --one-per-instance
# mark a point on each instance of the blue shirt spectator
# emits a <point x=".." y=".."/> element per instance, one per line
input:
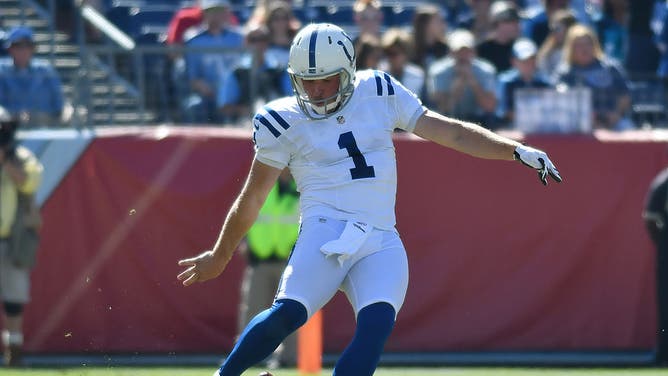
<point x="587" y="65"/>
<point x="642" y="56"/>
<point x="523" y="75"/>
<point x="662" y="44"/>
<point x="204" y="70"/>
<point x="29" y="88"/>
<point x="537" y="23"/>
<point x="609" y="25"/>
<point x="232" y="90"/>
<point x="462" y="85"/>
<point x="259" y="77"/>
<point x="3" y="35"/>
<point x="209" y="66"/>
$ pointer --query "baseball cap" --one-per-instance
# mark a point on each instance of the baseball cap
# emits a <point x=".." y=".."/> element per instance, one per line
<point x="461" y="38"/>
<point x="210" y="4"/>
<point x="18" y="33"/>
<point x="524" y="48"/>
<point x="501" y="11"/>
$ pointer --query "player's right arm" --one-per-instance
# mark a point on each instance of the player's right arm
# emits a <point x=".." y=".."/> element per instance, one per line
<point x="240" y="218"/>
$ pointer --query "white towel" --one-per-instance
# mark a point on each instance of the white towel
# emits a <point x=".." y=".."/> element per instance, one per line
<point x="353" y="236"/>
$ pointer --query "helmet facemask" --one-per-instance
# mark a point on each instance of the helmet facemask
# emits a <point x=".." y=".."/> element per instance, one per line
<point x="323" y="108"/>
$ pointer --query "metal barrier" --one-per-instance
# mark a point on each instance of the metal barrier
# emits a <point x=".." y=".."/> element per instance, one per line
<point x="121" y="81"/>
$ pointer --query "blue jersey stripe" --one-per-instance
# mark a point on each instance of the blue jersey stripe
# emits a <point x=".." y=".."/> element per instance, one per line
<point x="311" y="51"/>
<point x="390" y="87"/>
<point x="379" y="85"/>
<point x="267" y="124"/>
<point x="279" y="119"/>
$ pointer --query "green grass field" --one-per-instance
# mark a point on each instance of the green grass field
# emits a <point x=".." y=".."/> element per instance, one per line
<point x="473" y="371"/>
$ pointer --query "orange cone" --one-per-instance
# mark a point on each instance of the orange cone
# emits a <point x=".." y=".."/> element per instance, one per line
<point x="309" y="346"/>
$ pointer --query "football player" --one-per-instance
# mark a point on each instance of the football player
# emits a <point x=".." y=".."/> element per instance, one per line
<point x="335" y="136"/>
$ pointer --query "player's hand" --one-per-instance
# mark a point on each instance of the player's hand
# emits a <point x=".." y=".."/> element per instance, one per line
<point x="201" y="268"/>
<point x="537" y="159"/>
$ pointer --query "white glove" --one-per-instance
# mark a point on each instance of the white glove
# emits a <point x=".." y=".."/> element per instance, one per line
<point x="537" y="159"/>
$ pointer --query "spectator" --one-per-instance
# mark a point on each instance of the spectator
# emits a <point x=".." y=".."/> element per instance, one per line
<point x="662" y="46"/>
<point x="186" y="23"/>
<point x="497" y="48"/>
<point x="396" y="47"/>
<point x="429" y="41"/>
<point x="20" y="176"/>
<point x="550" y="53"/>
<point x="642" y="56"/>
<point x="3" y="35"/>
<point x="368" y="16"/>
<point x="462" y="85"/>
<point x="185" y="20"/>
<point x="258" y="78"/>
<point x="183" y="26"/>
<point x="29" y="87"/>
<point x="205" y="69"/>
<point x="524" y="75"/>
<point x="610" y="26"/>
<point x="368" y="51"/>
<point x="585" y="64"/>
<point x="655" y="216"/>
<point x="283" y="26"/>
<point x="458" y="13"/>
<point x="477" y="18"/>
<point x="267" y="248"/>
<point x="537" y="24"/>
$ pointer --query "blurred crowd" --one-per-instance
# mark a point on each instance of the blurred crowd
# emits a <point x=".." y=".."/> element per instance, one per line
<point x="478" y="60"/>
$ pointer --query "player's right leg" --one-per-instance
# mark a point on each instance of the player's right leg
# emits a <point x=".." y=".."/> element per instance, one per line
<point x="262" y="335"/>
<point x="376" y="287"/>
<point x="309" y="281"/>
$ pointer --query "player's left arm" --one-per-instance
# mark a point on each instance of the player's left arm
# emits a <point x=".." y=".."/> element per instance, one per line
<point x="480" y="142"/>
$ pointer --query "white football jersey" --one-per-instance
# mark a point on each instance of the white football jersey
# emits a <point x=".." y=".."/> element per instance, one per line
<point x="345" y="165"/>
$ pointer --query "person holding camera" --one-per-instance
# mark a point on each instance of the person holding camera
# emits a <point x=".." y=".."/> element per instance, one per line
<point x="20" y="175"/>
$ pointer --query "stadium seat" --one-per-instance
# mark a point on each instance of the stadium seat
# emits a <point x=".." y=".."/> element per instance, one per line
<point x="307" y="14"/>
<point x="339" y="15"/>
<point x="147" y="18"/>
<point x="398" y="15"/>
<point x="150" y="36"/>
<point x="120" y="16"/>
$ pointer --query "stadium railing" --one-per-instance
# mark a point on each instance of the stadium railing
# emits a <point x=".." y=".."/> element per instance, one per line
<point x="127" y="78"/>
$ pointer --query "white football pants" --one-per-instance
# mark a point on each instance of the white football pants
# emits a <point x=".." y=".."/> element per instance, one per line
<point x="377" y="272"/>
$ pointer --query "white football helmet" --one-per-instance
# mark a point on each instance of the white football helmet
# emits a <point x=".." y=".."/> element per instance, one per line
<point x="319" y="51"/>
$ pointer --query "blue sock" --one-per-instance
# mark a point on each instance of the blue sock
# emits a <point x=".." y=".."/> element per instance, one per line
<point x="374" y="325"/>
<point x="263" y="335"/>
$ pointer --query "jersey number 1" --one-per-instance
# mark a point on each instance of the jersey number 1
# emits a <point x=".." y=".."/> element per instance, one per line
<point x="361" y="169"/>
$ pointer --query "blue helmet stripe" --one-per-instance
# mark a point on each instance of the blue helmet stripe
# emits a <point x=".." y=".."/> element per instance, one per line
<point x="311" y="51"/>
<point x="279" y="119"/>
